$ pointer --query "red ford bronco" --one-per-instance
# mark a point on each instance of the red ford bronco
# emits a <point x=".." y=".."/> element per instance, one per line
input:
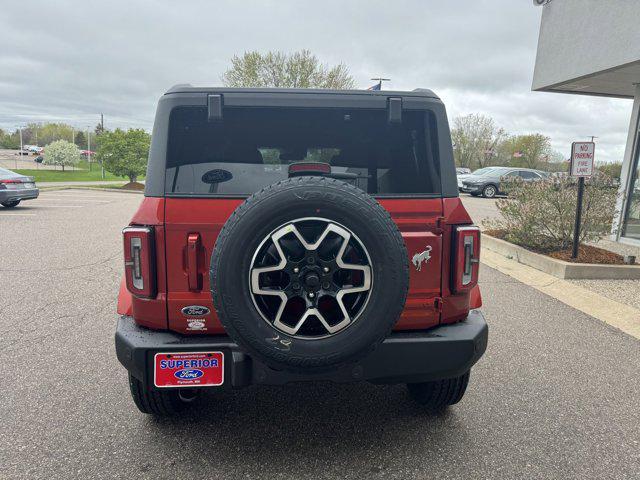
<point x="299" y="235"/>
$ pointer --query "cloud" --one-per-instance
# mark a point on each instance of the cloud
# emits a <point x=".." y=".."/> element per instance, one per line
<point x="81" y="59"/>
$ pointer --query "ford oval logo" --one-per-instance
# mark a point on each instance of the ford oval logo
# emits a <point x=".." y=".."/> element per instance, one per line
<point x="188" y="374"/>
<point x="195" y="310"/>
<point x="217" y="176"/>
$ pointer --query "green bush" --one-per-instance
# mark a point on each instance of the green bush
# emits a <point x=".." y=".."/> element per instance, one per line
<point x="540" y="215"/>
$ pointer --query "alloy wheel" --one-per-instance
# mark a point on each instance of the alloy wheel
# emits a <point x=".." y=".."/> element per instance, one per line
<point x="310" y="278"/>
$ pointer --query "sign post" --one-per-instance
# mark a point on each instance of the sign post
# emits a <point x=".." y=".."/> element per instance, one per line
<point x="582" y="163"/>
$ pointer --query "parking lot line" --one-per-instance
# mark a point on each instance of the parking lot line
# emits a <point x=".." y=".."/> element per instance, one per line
<point x="73" y="195"/>
<point x="78" y="200"/>
<point x="60" y="206"/>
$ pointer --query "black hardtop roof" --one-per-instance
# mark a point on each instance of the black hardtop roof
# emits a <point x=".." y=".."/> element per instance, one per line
<point x="188" y="88"/>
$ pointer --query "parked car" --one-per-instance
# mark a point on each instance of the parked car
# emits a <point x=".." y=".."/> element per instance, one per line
<point x="15" y="187"/>
<point x="462" y="171"/>
<point x="461" y="178"/>
<point x="238" y="273"/>
<point x="38" y="159"/>
<point x="34" y="149"/>
<point x="491" y="183"/>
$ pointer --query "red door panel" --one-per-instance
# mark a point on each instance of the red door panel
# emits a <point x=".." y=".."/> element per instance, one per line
<point x="183" y="218"/>
<point x="417" y="220"/>
<point x="187" y="263"/>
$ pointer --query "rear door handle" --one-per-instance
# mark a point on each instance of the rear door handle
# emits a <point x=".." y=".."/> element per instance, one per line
<point x="193" y="250"/>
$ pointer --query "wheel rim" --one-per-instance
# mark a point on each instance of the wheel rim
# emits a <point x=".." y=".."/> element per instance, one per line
<point x="489" y="191"/>
<point x="310" y="278"/>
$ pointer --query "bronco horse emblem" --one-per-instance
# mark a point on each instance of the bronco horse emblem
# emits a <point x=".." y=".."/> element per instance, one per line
<point x="418" y="258"/>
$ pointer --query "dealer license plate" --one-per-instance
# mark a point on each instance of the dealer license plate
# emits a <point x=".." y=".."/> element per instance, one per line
<point x="188" y="369"/>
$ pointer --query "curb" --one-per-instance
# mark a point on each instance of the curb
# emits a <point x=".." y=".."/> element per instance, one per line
<point x="560" y="268"/>
<point x="616" y="314"/>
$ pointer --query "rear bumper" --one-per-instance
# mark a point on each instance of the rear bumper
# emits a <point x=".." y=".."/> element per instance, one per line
<point x="13" y="195"/>
<point x="442" y="352"/>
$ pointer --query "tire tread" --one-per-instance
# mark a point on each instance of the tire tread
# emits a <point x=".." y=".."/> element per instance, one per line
<point x="436" y="396"/>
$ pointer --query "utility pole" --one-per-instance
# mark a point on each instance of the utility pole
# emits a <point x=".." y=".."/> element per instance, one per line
<point x="102" y="131"/>
<point x="20" y="129"/>
<point x="89" y="146"/>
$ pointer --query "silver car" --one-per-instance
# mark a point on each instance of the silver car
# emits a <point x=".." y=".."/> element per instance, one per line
<point x="15" y="187"/>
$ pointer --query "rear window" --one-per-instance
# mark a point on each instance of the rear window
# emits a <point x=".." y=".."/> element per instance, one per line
<point x="253" y="147"/>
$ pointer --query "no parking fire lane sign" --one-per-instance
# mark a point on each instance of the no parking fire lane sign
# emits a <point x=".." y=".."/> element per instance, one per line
<point x="582" y="159"/>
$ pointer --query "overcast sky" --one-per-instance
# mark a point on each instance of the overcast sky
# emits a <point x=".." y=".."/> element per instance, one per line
<point x="70" y="60"/>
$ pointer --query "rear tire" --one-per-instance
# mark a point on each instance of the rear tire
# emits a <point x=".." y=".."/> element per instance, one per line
<point x="15" y="203"/>
<point x="161" y="403"/>
<point x="436" y="396"/>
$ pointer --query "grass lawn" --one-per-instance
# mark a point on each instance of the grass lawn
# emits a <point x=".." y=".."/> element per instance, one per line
<point x="70" y="175"/>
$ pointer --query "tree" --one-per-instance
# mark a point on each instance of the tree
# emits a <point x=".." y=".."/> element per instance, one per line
<point x="49" y="132"/>
<point x="81" y="140"/>
<point x="10" y="140"/>
<point x="124" y="153"/>
<point x="475" y="138"/>
<point x="61" y="153"/>
<point x="530" y="151"/>
<point x="300" y="69"/>
<point x="612" y="170"/>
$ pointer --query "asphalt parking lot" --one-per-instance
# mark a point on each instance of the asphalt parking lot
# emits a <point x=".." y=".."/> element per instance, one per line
<point x="556" y="395"/>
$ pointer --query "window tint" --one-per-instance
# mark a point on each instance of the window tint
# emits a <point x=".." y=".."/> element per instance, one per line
<point x="529" y="175"/>
<point x="253" y="147"/>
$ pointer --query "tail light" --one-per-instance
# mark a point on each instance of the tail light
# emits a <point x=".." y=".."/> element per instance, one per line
<point x="466" y="258"/>
<point x="309" y="168"/>
<point x="139" y="261"/>
<point x="9" y="184"/>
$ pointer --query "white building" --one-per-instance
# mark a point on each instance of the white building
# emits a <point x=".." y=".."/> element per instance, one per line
<point x="592" y="47"/>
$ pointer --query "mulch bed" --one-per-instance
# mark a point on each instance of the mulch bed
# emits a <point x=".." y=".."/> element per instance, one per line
<point x="586" y="253"/>
<point x="132" y="186"/>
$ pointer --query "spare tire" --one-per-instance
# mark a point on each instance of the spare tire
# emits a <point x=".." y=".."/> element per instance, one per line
<point x="309" y="274"/>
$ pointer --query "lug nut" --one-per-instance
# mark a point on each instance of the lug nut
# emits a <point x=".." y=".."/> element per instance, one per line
<point x="325" y="269"/>
<point x="326" y="285"/>
<point x="296" y="286"/>
<point x="311" y="294"/>
<point x="296" y="270"/>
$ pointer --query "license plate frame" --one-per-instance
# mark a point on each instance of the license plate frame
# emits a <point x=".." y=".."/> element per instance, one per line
<point x="188" y="369"/>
